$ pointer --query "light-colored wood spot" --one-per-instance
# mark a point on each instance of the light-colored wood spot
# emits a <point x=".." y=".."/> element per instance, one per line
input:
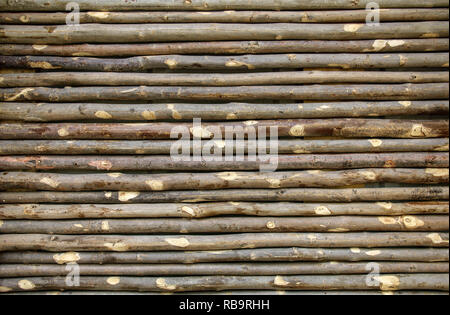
<point x="279" y="281"/>
<point x="162" y="284"/>
<point x="26" y="284"/>
<point x="99" y="15"/>
<point x="189" y="211"/>
<point x="388" y="220"/>
<point x="352" y="27"/>
<point x="200" y="132"/>
<point x="405" y="103"/>
<point x="271" y="225"/>
<point x="101" y="165"/>
<point x="297" y="131"/>
<point x="229" y="176"/>
<point x="148" y="115"/>
<point x="63" y="132"/>
<point x="39" y="47"/>
<point x="237" y="64"/>
<point x="113" y="280"/>
<point x="65" y="258"/>
<point x="322" y="210"/>
<point x="373" y="253"/>
<point x="171" y="63"/>
<point x="379" y="44"/>
<point x="127" y="195"/>
<point x="24" y="93"/>
<point x="437" y="239"/>
<point x="178" y="242"/>
<point x="5" y="289"/>
<point x="43" y="65"/>
<point x="105" y="226"/>
<point x="274" y="183"/>
<point x="155" y="184"/>
<point x="117" y="246"/>
<point x="385" y="205"/>
<point x="339" y="230"/>
<point x="50" y="182"/>
<point x="438" y="172"/>
<point x="388" y="283"/>
<point x="103" y="115"/>
<point x="369" y="175"/>
<point x="115" y="175"/>
<point x="396" y="43"/>
<point x="355" y="250"/>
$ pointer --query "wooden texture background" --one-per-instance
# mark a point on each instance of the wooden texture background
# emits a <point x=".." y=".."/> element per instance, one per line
<point x="86" y="175"/>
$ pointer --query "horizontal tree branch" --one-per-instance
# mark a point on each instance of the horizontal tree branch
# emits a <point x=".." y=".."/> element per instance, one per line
<point x="261" y="269"/>
<point x="229" y="63"/>
<point x="227" y="47"/>
<point x="203" y="210"/>
<point x="295" y="254"/>
<point x="341" y="16"/>
<point x="256" y="195"/>
<point x="162" y="147"/>
<point x="117" y="5"/>
<point x="123" y="243"/>
<point x="213" y="181"/>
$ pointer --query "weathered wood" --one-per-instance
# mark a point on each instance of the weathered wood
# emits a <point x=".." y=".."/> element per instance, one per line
<point x="262" y="195"/>
<point x="254" y="269"/>
<point x="295" y="254"/>
<point x="97" y="211"/>
<point x="227" y="47"/>
<point x="242" y="163"/>
<point x="407" y="92"/>
<point x="162" y="147"/>
<point x="226" y="180"/>
<point x="245" y="62"/>
<point x="155" y="5"/>
<point x="142" y="33"/>
<point x="420" y="223"/>
<point x="219" y="283"/>
<point x="62" y="79"/>
<point x="120" y="243"/>
<point x="346" y="128"/>
<point x="215" y="112"/>
<point x="341" y="16"/>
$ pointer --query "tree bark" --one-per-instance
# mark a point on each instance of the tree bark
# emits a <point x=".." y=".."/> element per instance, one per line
<point x="341" y="16"/>
<point x="431" y="193"/>
<point x="162" y="147"/>
<point x="228" y="63"/>
<point x="62" y="79"/>
<point x="227" y="48"/>
<point x="295" y="254"/>
<point x="121" y="243"/>
<point x="261" y="269"/>
<point x="214" y="5"/>
<point x="345" y="128"/>
<point x="434" y="223"/>
<point x="215" y="112"/>
<point x="213" y="181"/>
<point x="185" y="210"/>
<point x="241" y="163"/>
<point x="143" y="33"/>
<point x="392" y="282"/>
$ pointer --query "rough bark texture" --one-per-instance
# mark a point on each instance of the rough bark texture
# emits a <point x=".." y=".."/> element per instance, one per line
<point x="294" y="128"/>
<point x="342" y="16"/>
<point x="245" y="62"/>
<point x="241" y="163"/>
<point x="61" y="79"/>
<point x="295" y="254"/>
<point x="157" y="147"/>
<point x="392" y="282"/>
<point x="117" y="5"/>
<point x="185" y="210"/>
<point x="430" y="193"/>
<point x="123" y="243"/>
<point x="228" y="47"/>
<point x="215" y="112"/>
<point x="267" y="269"/>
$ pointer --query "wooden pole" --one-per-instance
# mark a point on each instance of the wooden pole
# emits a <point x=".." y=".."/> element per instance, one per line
<point x="218" y="269"/>
<point x="391" y="282"/>
<point x="341" y="16"/>
<point x="435" y="223"/>
<point x="213" y="181"/>
<point x="380" y="92"/>
<point x="117" y="5"/>
<point x="228" y="47"/>
<point x="431" y="193"/>
<point x="199" y="210"/>
<point x="345" y="128"/>
<point x="228" y="63"/>
<point x="267" y="255"/>
<point x="121" y="243"/>
<point x="162" y="147"/>
<point x="215" y="112"/>
<point x="144" y="33"/>
<point x="61" y="79"/>
<point x="239" y="163"/>
<point x="240" y="292"/>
